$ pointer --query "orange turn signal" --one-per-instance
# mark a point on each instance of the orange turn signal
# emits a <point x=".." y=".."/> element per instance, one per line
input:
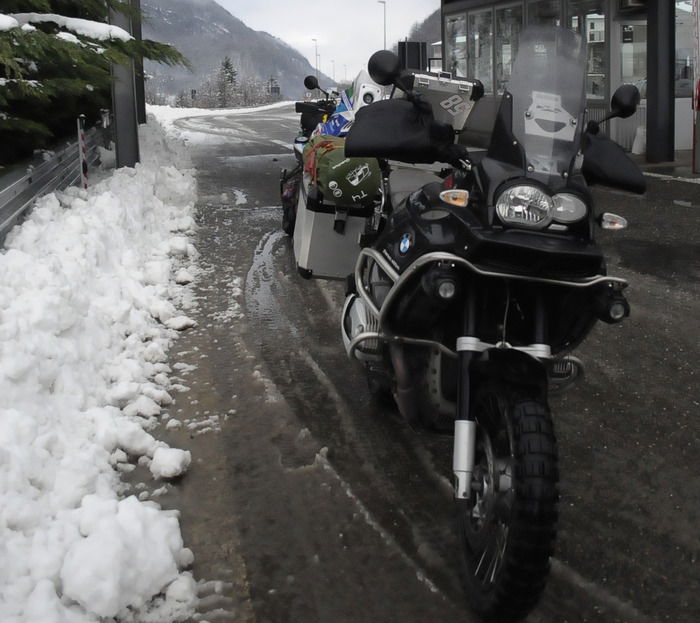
<point x="459" y="198"/>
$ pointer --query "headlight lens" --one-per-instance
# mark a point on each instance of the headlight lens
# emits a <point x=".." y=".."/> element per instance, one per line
<point x="526" y="206"/>
<point x="568" y="208"/>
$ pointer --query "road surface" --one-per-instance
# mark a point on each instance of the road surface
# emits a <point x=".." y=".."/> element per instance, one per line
<point x="309" y="503"/>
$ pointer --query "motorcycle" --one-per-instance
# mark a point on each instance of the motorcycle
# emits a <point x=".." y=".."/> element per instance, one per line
<point x="312" y="114"/>
<point x="331" y="116"/>
<point x="467" y="306"/>
<point x="337" y="197"/>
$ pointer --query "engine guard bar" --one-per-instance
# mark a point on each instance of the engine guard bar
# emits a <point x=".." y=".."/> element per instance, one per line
<point x="558" y="382"/>
<point x="471" y="344"/>
<point x="354" y="343"/>
<point x="439" y="256"/>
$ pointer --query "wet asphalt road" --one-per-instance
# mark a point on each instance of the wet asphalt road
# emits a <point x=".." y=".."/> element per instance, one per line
<point x="307" y="502"/>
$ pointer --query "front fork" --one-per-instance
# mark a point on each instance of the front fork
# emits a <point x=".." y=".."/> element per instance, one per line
<point x="464" y="450"/>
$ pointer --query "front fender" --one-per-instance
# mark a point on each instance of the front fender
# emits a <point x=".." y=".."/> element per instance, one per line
<point x="509" y="366"/>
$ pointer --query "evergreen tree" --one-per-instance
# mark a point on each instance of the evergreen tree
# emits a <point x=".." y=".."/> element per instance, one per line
<point x="55" y="58"/>
<point x="227" y="88"/>
<point x="225" y="82"/>
<point x="228" y="71"/>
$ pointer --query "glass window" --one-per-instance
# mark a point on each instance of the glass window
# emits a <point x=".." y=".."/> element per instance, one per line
<point x="588" y="18"/>
<point x="456" y="44"/>
<point x="684" y="49"/>
<point x="544" y="12"/>
<point x="480" y="48"/>
<point x="633" y="53"/>
<point x="509" y="23"/>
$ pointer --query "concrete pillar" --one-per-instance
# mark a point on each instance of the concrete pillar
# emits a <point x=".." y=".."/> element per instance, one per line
<point x="661" y="98"/>
<point x="125" y="117"/>
<point x="138" y="67"/>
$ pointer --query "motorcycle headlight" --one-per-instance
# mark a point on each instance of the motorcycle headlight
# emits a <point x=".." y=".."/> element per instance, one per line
<point x="526" y="206"/>
<point x="568" y="208"/>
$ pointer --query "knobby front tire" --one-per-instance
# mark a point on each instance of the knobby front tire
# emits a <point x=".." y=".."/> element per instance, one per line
<point x="508" y="527"/>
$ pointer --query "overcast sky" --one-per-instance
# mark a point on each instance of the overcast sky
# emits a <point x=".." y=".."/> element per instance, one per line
<point x="347" y="31"/>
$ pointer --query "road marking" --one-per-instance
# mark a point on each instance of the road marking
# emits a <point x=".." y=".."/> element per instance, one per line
<point x="671" y="178"/>
<point x="421" y="575"/>
<point x="625" y="609"/>
<point x="285" y="144"/>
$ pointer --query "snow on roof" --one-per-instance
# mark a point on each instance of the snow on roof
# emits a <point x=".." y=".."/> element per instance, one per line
<point x="7" y="22"/>
<point x="84" y="27"/>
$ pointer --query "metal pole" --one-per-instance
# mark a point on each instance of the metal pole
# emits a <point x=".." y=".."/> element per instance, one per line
<point x="138" y="65"/>
<point x="316" y="55"/>
<point x="82" y="152"/>
<point x="383" y="3"/>
<point x="333" y="65"/>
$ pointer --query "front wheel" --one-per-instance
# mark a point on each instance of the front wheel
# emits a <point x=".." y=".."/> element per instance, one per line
<point x="289" y="192"/>
<point x="289" y="217"/>
<point x="508" y="526"/>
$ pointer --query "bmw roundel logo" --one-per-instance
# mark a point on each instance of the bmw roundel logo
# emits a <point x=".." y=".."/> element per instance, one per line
<point x="405" y="244"/>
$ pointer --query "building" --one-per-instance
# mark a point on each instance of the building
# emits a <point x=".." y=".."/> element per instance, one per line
<point x="480" y="39"/>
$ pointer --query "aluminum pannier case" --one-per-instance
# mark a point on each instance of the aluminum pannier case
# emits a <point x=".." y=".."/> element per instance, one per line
<point x="451" y="98"/>
<point x="335" y="208"/>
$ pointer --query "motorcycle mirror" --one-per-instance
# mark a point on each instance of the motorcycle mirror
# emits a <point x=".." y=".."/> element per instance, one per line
<point x="384" y="67"/>
<point x="311" y="83"/>
<point x="624" y="101"/>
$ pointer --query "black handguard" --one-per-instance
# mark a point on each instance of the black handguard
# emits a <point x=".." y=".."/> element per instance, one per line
<point x="606" y="163"/>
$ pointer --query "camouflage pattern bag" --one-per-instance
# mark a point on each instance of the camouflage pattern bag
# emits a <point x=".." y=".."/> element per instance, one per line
<point x="343" y="181"/>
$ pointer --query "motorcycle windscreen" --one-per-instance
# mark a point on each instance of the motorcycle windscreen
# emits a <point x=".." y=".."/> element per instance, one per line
<point x="548" y="99"/>
<point x="397" y="129"/>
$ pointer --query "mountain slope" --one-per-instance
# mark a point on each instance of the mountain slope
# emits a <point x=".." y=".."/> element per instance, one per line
<point x="206" y="33"/>
<point x="428" y="30"/>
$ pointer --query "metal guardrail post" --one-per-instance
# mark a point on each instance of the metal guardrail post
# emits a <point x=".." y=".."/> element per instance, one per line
<point x="82" y="152"/>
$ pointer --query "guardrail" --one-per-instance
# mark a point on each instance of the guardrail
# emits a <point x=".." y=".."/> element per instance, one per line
<point x="60" y="171"/>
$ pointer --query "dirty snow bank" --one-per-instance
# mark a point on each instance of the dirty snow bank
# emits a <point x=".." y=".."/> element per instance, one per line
<point x="87" y="285"/>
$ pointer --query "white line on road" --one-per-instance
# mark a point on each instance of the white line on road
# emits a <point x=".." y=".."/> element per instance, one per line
<point x="277" y="141"/>
<point x="672" y="178"/>
<point x="625" y="609"/>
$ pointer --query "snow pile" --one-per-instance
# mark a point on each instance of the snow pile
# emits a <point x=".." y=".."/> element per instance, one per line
<point x="170" y="462"/>
<point x="87" y="285"/>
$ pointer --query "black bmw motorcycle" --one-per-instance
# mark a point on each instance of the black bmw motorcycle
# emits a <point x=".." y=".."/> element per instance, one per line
<point x="467" y="306"/>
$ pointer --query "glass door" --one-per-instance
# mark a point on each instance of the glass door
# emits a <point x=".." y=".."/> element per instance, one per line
<point x="480" y="47"/>
<point x="509" y="23"/>
<point x="589" y="18"/>
<point x="633" y="55"/>
<point x="456" y="44"/>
